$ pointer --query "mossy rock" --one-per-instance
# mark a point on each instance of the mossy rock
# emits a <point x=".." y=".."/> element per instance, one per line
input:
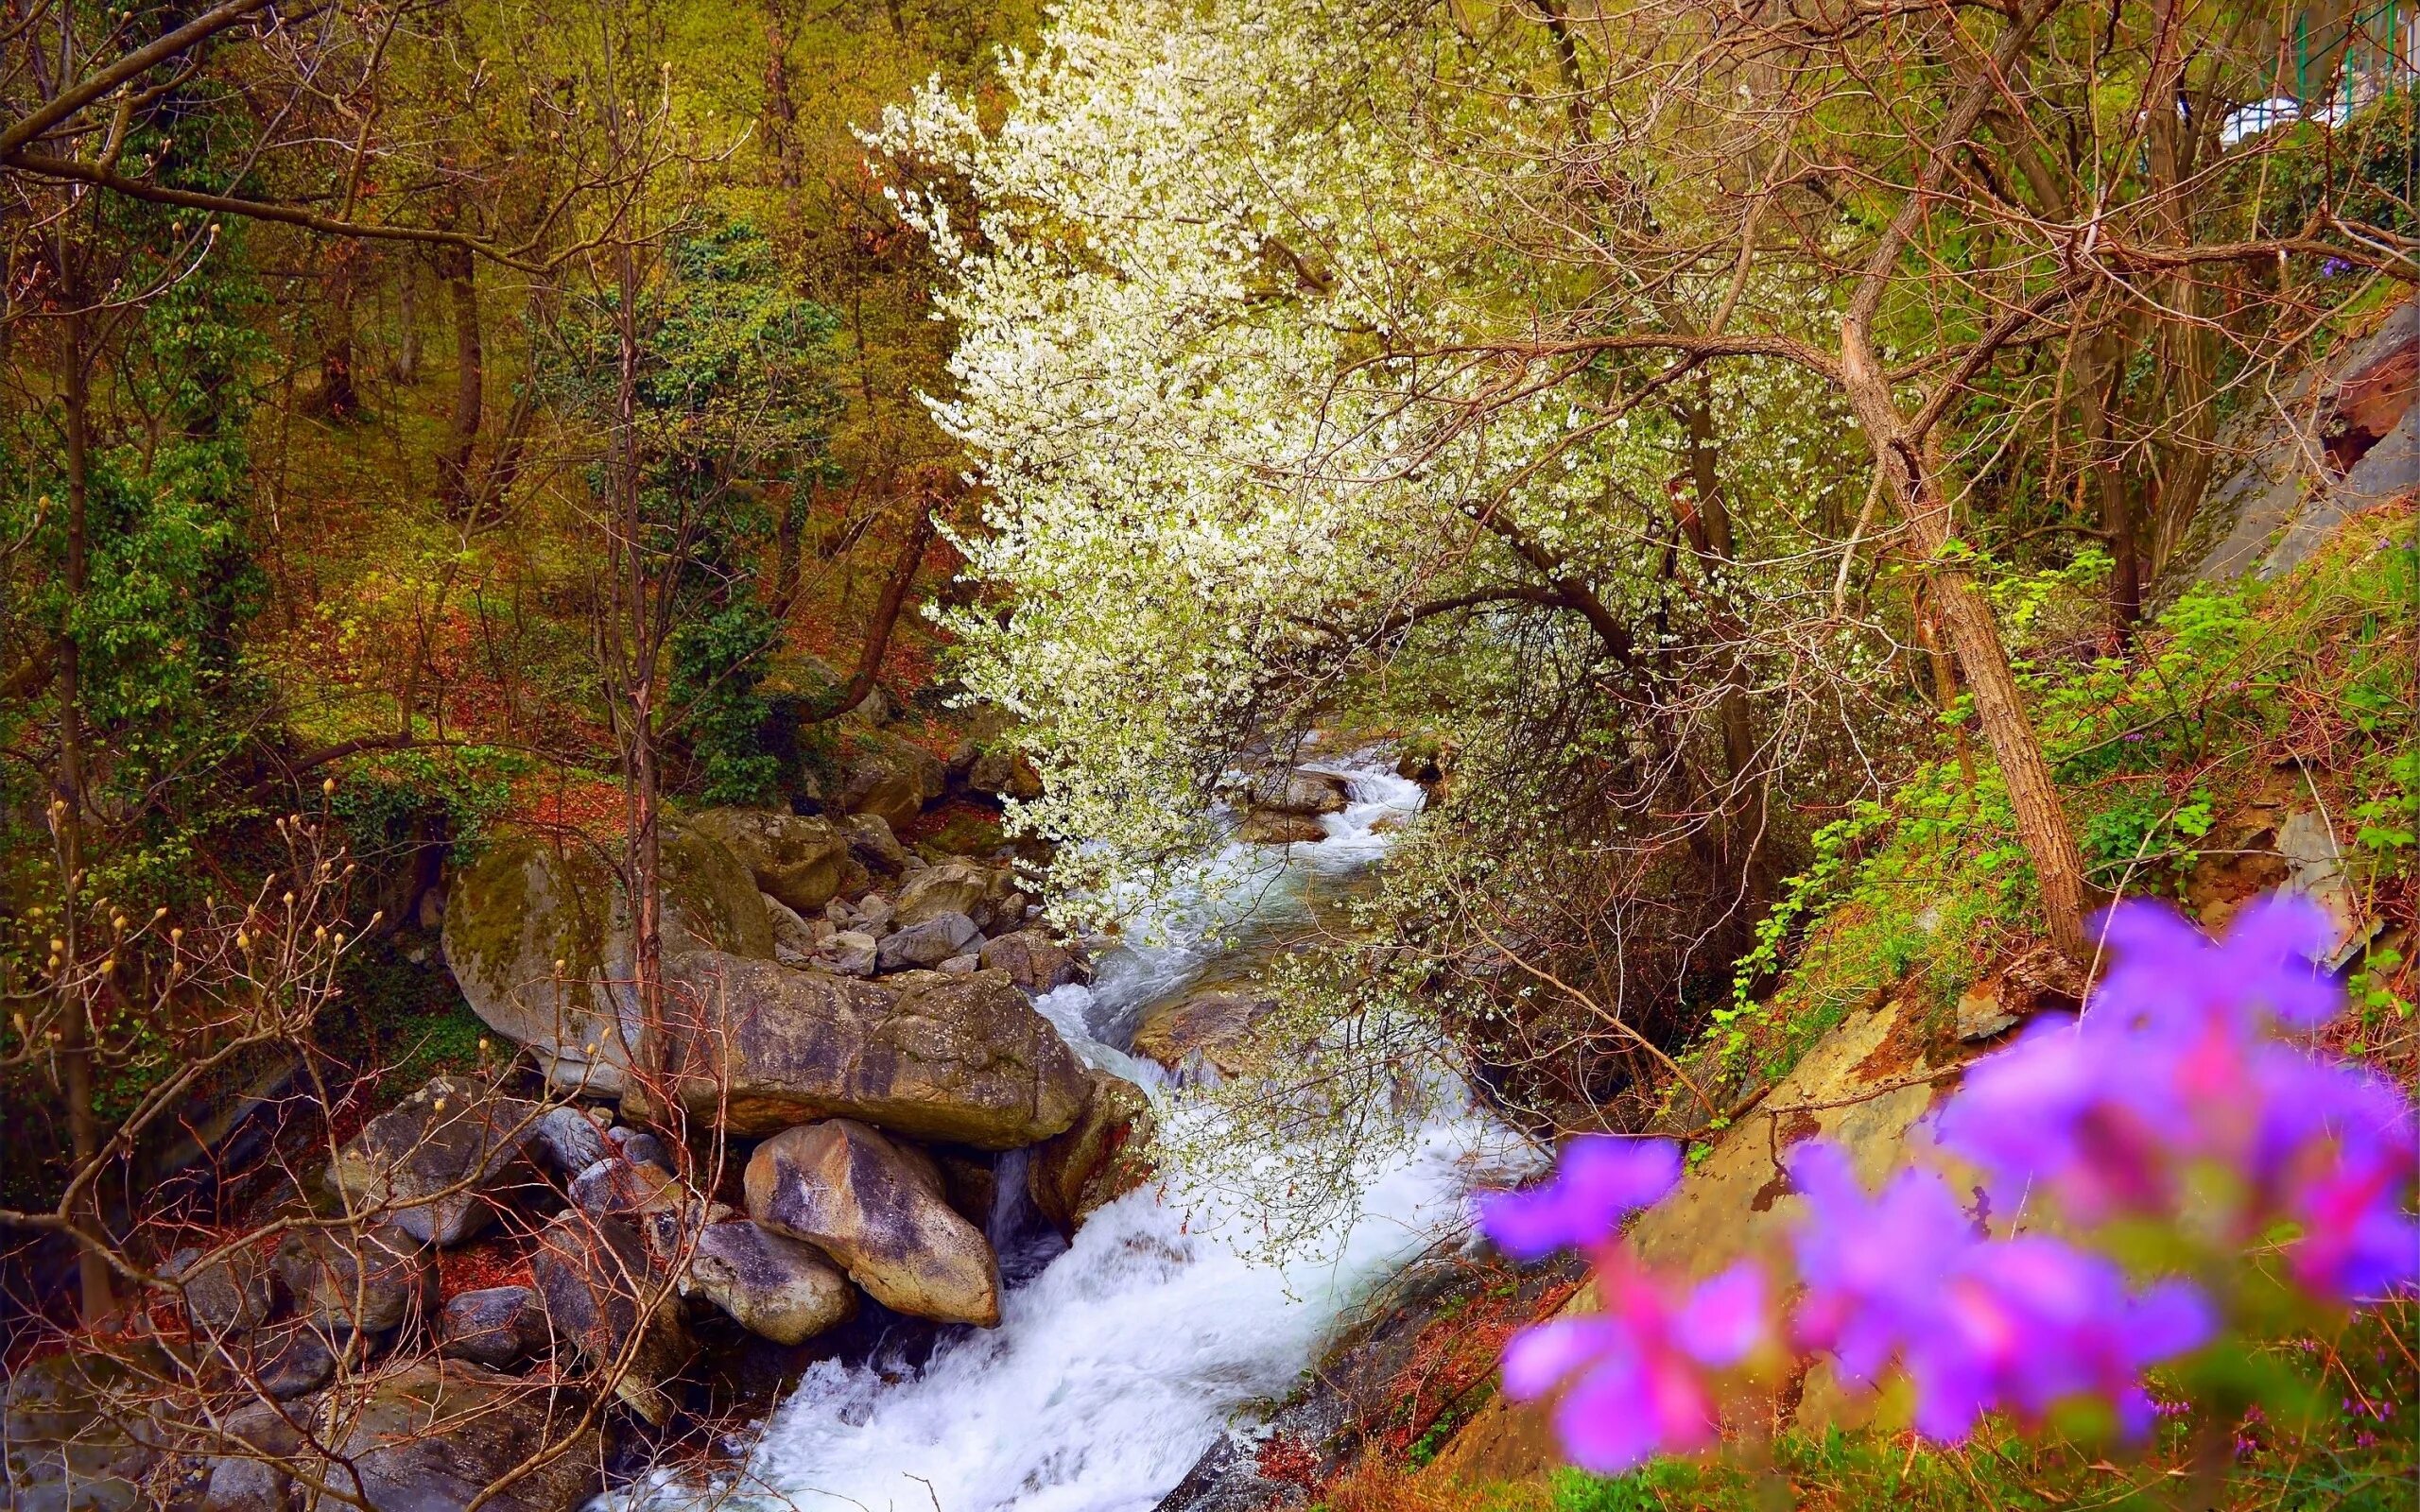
<point x="531" y="902"/>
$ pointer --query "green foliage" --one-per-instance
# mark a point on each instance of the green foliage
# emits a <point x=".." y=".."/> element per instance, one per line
<point x="396" y="801"/>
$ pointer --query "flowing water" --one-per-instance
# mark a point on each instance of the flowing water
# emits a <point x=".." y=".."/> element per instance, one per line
<point x="1121" y="1358"/>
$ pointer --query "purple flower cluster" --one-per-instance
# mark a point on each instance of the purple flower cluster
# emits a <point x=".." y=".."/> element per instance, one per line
<point x="1977" y="1323"/>
<point x="2179" y="1097"/>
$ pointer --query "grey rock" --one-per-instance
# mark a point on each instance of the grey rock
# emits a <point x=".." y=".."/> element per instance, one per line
<point x="249" y="1470"/>
<point x="431" y="1163"/>
<point x="772" y="1285"/>
<point x="495" y="1326"/>
<point x="987" y="894"/>
<point x="928" y="943"/>
<point x="224" y="1294"/>
<point x="355" y="1279"/>
<point x="795" y="936"/>
<point x="603" y="1299"/>
<point x="436" y="1435"/>
<point x="871" y="841"/>
<point x="621" y="1188"/>
<point x="72" y="1435"/>
<point x="879" y="1208"/>
<point x="569" y="1139"/>
<point x="848" y="953"/>
<point x="639" y="1146"/>
<point x="966" y="964"/>
<point x="796" y="860"/>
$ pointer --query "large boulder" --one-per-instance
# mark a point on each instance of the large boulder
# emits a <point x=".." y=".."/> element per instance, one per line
<point x="602" y="1297"/>
<point x="436" y="1435"/>
<point x="888" y="777"/>
<point x="539" y="935"/>
<point x="249" y="1468"/>
<point x="495" y="1326"/>
<point x="1298" y="791"/>
<point x="876" y="848"/>
<point x="805" y="863"/>
<point x="1097" y="1159"/>
<point x="848" y="952"/>
<point x="1033" y="960"/>
<point x="224" y="1293"/>
<point x="1267" y="827"/>
<point x="880" y="1211"/>
<point x="774" y="1286"/>
<point x="987" y="894"/>
<point x="356" y="1277"/>
<point x="431" y="1162"/>
<point x="930" y="943"/>
<point x="76" y="1434"/>
<point x="967" y="1060"/>
<point x="1214" y="1025"/>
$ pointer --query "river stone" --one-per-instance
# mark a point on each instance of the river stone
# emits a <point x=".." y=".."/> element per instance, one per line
<point x="224" y="1294"/>
<point x="431" y="1162"/>
<point x="74" y="1433"/>
<point x="988" y="895"/>
<point x="930" y="943"/>
<point x="882" y="1213"/>
<point x="252" y="1450"/>
<point x="294" y="1359"/>
<point x="495" y="1326"/>
<point x="1100" y="1159"/>
<point x="796" y="938"/>
<point x="802" y="862"/>
<point x="848" y="952"/>
<point x="366" y="1279"/>
<point x="871" y="841"/>
<point x="771" y="1285"/>
<point x="435" y="1437"/>
<point x="888" y="777"/>
<point x="1215" y="1025"/>
<point x="1299" y="792"/>
<point x="621" y="1188"/>
<point x="526" y="904"/>
<point x="1268" y="827"/>
<point x="640" y="1147"/>
<point x="1033" y="960"/>
<point x="962" y="1059"/>
<point x="601" y="1292"/>
<point x="1004" y="772"/>
<point x="569" y="1139"/>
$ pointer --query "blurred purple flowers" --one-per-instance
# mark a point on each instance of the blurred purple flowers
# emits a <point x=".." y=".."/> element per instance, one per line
<point x="1599" y="1182"/>
<point x="2179" y="1096"/>
<point x="2176" y="1081"/>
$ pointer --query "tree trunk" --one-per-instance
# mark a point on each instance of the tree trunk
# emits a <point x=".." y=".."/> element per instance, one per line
<point x="406" y="366"/>
<point x="1743" y="808"/>
<point x="462" y="435"/>
<point x="2103" y="370"/>
<point x="96" y="1300"/>
<point x="781" y="109"/>
<point x="885" y="616"/>
<point x="337" y="399"/>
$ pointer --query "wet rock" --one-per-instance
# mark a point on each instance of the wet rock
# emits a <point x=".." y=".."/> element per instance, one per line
<point x="430" y="1163"/>
<point x="889" y="778"/>
<point x="495" y="1326"/>
<point x="294" y="1361"/>
<point x="1033" y="960"/>
<point x="568" y="1139"/>
<point x="1004" y="772"/>
<point x="773" y="1285"/>
<point x="1103" y="1156"/>
<point x="848" y="953"/>
<point x="355" y="1279"/>
<point x="435" y="1437"/>
<point x="1215" y="1025"/>
<point x="224" y="1293"/>
<point x="964" y="1060"/>
<point x="75" y="1435"/>
<point x="882" y="1214"/>
<point x="804" y="863"/>
<point x="524" y="905"/>
<point x="602" y="1298"/>
<point x="1262" y="827"/>
<point x="1299" y="793"/>
<point x="970" y="1182"/>
<point x="984" y="894"/>
<point x="930" y="943"/>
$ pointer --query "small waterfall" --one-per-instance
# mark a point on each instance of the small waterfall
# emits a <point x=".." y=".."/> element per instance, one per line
<point x="1121" y="1357"/>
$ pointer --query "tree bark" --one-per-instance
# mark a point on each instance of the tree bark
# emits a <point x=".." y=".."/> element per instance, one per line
<point x="463" y="434"/>
<point x="1743" y="805"/>
<point x="781" y="109"/>
<point x="96" y="1299"/>
<point x="886" y="617"/>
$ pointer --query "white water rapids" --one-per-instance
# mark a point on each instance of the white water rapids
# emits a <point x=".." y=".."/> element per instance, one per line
<point x="1121" y="1358"/>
